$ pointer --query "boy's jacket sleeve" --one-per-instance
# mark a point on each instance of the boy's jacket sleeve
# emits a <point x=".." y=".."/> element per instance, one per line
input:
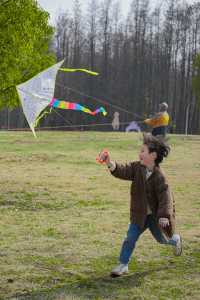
<point x="125" y="171"/>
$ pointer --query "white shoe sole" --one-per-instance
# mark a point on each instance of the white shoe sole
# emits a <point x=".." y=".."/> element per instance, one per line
<point x="116" y="274"/>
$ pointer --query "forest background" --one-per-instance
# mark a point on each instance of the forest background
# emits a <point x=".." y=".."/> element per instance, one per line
<point x="144" y="58"/>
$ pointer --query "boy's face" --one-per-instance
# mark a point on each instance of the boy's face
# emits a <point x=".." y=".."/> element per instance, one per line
<point x="147" y="159"/>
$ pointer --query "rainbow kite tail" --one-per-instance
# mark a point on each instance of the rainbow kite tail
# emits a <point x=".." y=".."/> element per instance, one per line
<point x="75" y="106"/>
<point x="100" y="110"/>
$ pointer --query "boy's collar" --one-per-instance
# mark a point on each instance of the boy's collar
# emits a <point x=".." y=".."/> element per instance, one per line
<point x="149" y="170"/>
<point x="152" y="170"/>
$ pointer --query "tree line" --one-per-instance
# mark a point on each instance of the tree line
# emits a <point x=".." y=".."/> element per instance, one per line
<point x="144" y="58"/>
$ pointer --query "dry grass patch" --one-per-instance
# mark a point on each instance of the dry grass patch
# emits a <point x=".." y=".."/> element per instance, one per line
<point x="63" y="218"/>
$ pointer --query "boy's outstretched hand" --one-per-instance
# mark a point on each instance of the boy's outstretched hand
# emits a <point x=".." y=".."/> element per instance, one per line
<point x="103" y="157"/>
<point x="163" y="222"/>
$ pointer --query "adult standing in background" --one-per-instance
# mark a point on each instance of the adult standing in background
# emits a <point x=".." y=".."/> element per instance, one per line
<point x="160" y="121"/>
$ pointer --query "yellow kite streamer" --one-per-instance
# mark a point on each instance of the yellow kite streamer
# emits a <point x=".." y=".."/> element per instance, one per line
<point x="77" y="70"/>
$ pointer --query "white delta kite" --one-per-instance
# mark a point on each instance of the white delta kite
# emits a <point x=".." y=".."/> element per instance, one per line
<point x="38" y="92"/>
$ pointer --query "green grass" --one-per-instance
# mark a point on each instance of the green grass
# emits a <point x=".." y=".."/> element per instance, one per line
<point x="63" y="218"/>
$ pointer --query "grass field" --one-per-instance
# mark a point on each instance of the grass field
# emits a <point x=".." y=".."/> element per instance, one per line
<point x="63" y="218"/>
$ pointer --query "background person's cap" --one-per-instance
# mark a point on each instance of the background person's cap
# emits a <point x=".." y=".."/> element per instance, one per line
<point x="163" y="106"/>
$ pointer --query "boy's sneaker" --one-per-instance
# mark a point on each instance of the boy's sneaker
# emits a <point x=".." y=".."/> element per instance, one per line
<point x="178" y="247"/>
<point x="119" y="270"/>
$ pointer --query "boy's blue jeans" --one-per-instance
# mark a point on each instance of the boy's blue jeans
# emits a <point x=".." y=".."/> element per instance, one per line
<point x="133" y="234"/>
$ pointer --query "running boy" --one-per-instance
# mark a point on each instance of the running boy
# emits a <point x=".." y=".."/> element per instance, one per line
<point x="151" y="204"/>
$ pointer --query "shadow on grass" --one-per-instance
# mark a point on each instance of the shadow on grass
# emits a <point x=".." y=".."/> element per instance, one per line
<point x="97" y="283"/>
<point x="94" y="287"/>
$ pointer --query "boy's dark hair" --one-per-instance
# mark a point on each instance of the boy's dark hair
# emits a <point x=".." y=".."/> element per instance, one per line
<point x="157" y="145"/>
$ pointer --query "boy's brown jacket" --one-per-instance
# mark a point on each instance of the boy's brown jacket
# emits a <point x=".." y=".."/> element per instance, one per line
<point x="154" y="191"/>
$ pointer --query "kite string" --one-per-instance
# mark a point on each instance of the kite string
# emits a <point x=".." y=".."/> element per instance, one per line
<point x="68" y="126"/>
<point x="99" y="100"/>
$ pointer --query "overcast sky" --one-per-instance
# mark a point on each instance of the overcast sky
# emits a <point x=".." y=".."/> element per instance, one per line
<point x="56" y="6"/>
